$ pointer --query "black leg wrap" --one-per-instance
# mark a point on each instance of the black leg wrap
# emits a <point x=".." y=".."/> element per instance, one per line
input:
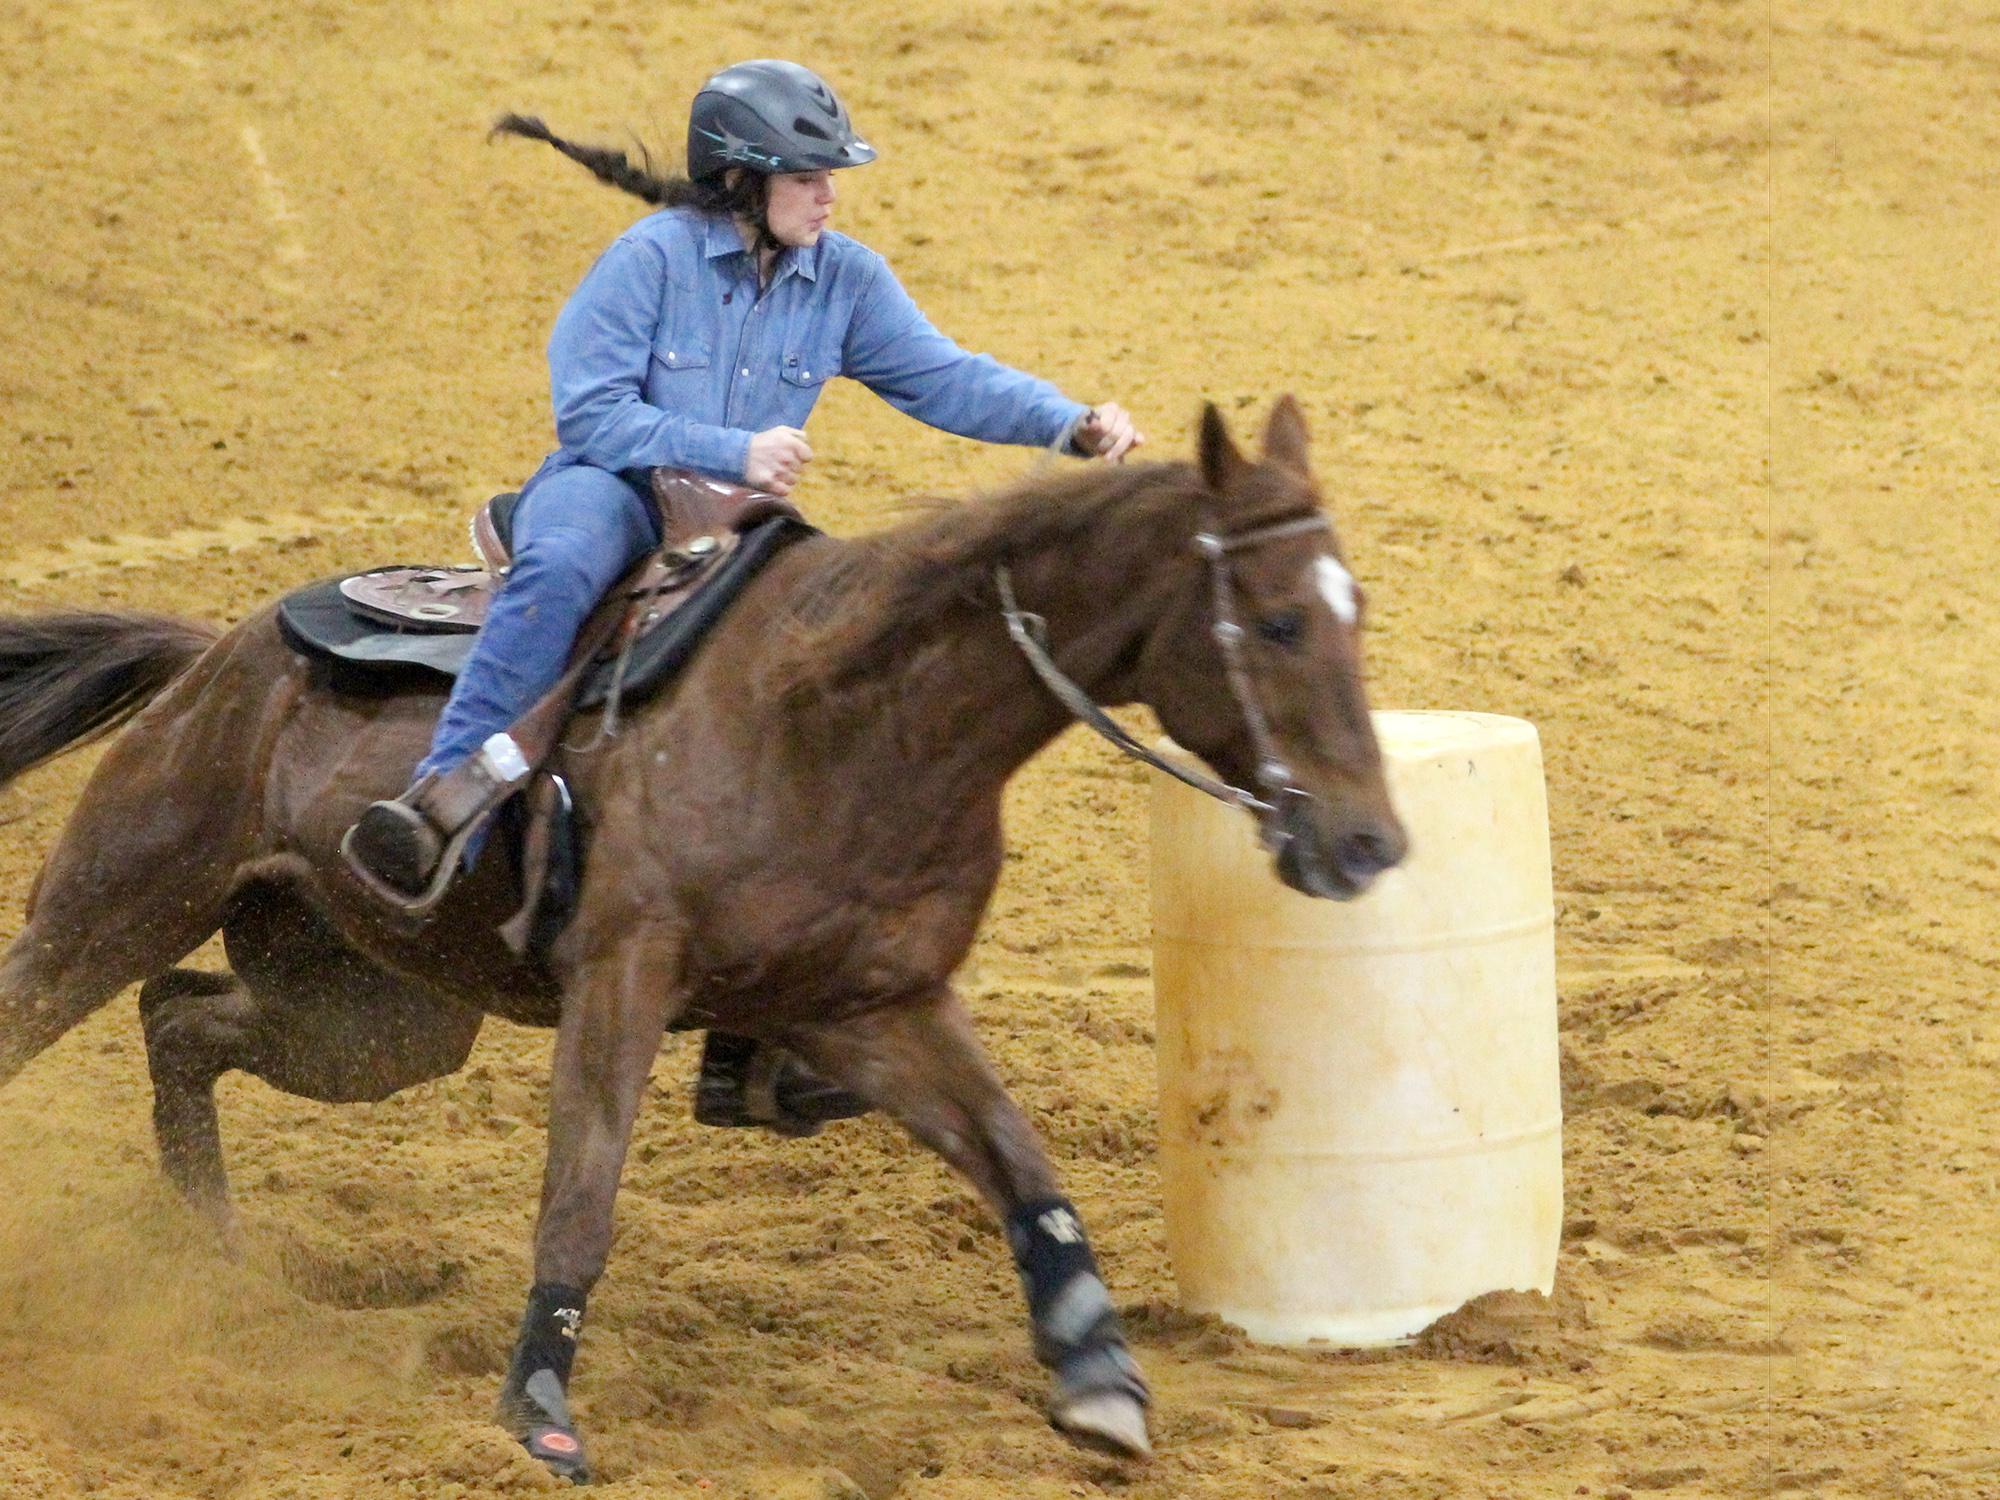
<point x="747" y="1082"/>
<point x="718" y="1088"/>
<point x="1077" y="1332"/>
<point x="533" y="1404"/>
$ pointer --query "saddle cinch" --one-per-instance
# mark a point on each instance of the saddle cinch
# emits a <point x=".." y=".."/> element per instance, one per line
<point x="715" y="538"/>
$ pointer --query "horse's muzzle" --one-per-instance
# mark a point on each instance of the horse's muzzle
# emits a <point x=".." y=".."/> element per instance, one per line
<point x="1340" y="865"/>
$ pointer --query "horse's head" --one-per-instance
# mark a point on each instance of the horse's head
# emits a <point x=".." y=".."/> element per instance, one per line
<point x="1257" y="667"/>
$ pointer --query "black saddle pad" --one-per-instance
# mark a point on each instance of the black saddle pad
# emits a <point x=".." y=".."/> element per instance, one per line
<point x="318" y="621"/>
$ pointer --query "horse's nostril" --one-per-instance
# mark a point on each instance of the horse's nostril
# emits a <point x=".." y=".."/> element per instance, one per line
<point x="1368" y="853"/>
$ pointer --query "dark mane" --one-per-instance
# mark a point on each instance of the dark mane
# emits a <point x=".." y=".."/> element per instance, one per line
<point x="857" y="613"/>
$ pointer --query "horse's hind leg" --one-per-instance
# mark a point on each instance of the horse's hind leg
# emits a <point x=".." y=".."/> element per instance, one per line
<point x="73" y="959"/>
<point x="923" y="1064"/>
<point x="195" y="1022"/>
<point x="110" y="908"/>
<point x="305" y="1013"/>
<point x="142" y="871"/>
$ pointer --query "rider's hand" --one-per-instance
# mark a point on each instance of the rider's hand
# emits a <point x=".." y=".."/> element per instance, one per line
<point x="1106" y="432"/>
<point x="778" y="455"/>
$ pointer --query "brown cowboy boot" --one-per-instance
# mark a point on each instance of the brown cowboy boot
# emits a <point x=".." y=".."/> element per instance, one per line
<point x="407" y="850"/>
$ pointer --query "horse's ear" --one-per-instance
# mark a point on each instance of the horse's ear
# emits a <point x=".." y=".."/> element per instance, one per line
<point x="1285" y="435"/>
<point x="1222" y="464"/>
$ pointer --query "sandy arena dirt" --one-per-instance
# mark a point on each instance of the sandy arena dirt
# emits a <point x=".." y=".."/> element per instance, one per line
<point x="1650" y="356"/>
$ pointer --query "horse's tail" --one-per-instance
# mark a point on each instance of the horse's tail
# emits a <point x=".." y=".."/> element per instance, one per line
<point x="67" y="679"/>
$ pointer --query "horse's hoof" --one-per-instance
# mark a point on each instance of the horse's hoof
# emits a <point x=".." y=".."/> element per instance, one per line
<point x="560" y="1451"/>
<point x="537" y="1412"/>
<point x="1112" y="1422"/>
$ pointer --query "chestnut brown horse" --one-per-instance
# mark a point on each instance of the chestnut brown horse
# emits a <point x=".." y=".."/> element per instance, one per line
<point x="796" y="843"/>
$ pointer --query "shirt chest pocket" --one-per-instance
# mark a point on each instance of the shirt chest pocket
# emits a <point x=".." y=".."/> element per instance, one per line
<point x="809" y="363"/>
<point x="684" y="336"/>
<point x="685" y="350"/>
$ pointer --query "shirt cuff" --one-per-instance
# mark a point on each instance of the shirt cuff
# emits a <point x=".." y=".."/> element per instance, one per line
<point x="721" y="451"/>
<point x="1064" y="440"/>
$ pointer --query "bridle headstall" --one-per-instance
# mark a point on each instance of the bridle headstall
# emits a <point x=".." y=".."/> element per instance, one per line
<point x="1030" y="632"/>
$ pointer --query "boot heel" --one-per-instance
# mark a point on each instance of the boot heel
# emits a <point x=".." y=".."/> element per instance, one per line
<point x="396" y="844"/>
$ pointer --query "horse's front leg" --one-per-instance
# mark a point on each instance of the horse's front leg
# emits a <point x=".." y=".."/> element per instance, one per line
<point x="614" y="1013"/>
<point x="923" y="1064"/>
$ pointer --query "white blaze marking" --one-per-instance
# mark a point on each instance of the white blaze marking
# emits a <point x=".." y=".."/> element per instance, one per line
<point x="1336" y="586"/>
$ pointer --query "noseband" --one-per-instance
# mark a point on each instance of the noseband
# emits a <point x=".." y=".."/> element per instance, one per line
<point x="1274" y="777"/>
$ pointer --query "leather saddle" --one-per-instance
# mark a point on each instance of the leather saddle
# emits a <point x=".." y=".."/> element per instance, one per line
<point x="703" y="521"/>
<point x="715" y="537"/>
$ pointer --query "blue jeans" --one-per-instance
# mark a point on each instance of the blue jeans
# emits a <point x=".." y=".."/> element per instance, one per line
<point x="577" y="531"/>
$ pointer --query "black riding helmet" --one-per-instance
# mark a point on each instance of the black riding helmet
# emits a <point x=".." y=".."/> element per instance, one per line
<point x="770" y="116"/>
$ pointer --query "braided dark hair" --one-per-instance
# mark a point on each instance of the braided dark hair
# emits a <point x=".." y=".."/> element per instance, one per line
<point x="743" y="194"/>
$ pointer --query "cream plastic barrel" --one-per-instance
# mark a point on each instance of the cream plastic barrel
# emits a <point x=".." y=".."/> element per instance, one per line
<point x="1360" y="1109"/>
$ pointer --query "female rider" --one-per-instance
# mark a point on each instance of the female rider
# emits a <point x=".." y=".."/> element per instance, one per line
<point x="700" y="340"/>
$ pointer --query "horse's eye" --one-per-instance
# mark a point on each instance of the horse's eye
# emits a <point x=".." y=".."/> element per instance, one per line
<point x="1287" y="628"/>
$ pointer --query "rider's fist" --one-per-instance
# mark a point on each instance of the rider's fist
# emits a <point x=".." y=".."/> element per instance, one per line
<point x="1106" y="432"/>
<point x="778" y="455"/>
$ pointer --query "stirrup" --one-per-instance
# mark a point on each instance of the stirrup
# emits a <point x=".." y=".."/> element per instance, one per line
<point x="395" y="843"/>
<point x="440" y="875"/>
<point x="450" y="807"/>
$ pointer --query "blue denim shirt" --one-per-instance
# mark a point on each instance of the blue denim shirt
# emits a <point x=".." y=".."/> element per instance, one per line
<point x="666" y="354"/>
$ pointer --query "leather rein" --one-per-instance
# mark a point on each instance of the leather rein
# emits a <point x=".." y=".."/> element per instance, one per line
<point x="1030" y="632"/>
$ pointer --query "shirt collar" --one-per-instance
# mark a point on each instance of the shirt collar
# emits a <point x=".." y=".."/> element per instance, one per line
<point x="722" y="239"/>
<point x="806" y="262"/>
